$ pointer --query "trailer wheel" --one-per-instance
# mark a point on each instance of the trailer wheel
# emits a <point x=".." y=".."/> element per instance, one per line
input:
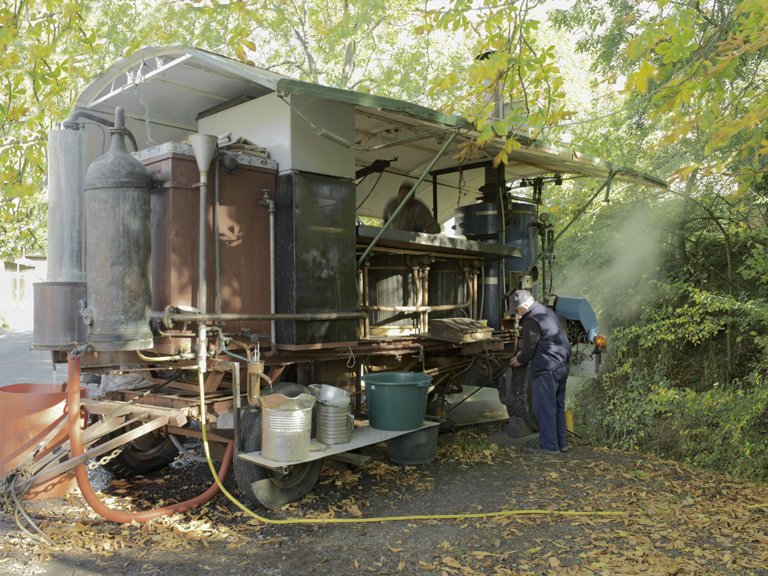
<point x="146" y="454"/>
<point x="262" y="486"/>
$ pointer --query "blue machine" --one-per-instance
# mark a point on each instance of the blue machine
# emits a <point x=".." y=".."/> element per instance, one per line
<point x="578" y="310"/>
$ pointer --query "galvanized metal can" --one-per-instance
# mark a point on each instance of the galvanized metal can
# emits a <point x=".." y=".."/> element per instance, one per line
<point x="286" y="427"/>
<point x="333" y="423"/>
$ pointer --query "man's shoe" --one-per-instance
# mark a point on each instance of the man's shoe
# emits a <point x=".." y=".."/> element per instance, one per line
<point x="564" y="449"/>
<point x="540" y="450"/>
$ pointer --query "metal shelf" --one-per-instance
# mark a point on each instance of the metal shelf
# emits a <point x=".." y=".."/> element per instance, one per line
<point x="361" y="437"/>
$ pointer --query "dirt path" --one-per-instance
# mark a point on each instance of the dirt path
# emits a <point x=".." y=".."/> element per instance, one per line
<point x="668" y="520"/>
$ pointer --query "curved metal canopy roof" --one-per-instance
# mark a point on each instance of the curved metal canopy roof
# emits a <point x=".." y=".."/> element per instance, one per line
<point x="164" y="90"/>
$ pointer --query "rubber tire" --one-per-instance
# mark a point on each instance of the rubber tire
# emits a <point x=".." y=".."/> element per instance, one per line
<point x="264" y="487"/>
<point x="148" y="453"/>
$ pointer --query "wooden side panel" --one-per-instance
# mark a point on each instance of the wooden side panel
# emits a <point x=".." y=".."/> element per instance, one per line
<point x="243" y="238"/>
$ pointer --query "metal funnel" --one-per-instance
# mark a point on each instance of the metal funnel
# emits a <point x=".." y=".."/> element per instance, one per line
<point x="203" y="145"/>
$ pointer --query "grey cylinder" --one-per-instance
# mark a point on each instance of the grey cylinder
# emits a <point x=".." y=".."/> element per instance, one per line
<point x="117" y="199"/>
<point x="69" y="154"/>
<point x="57" y="321"/>
<point x="334" y="424"/>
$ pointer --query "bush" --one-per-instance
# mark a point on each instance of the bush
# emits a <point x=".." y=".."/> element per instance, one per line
<point x="643" y="400"/>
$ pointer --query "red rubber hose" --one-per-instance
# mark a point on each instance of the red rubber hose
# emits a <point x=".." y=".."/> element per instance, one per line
<point x="73" y="409"/>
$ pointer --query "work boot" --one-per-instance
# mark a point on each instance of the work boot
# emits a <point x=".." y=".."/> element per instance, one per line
<point x="540" y="450"/>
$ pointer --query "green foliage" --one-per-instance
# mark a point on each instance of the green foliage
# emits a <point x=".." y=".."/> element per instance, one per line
<point x="514" y="64"/>
<point x="700" y="64"/>
<point x="649" y="398"/>
<point x="48" y="51"/>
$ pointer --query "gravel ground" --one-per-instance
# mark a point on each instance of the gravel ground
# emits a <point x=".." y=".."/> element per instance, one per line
<point x="664" y="519"/>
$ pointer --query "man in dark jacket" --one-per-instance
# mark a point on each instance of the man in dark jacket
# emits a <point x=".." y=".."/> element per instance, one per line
<point x="546" y="347"/>
<point x="414" y="217"/>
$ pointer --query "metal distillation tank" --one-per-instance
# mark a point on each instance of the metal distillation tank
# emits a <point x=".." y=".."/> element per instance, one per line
<point x="118" y="264"/>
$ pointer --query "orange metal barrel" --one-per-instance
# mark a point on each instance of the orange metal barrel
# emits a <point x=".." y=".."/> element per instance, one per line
<point x="28" y="413"/>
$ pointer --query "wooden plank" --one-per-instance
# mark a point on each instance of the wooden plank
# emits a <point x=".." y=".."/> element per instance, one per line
<point x="175" y="417"/>
<point x="213" y="381"/>
<point x="184" y="386"/>
<point x="212" y="436"/>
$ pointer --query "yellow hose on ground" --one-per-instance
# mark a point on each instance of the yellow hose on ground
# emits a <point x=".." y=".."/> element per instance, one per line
<point x="365" y="520"/>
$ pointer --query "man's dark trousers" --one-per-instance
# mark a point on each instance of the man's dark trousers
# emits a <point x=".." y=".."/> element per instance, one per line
<point x="549" y="406"/>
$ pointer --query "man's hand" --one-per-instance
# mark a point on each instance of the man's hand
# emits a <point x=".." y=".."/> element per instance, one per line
<point x="514" y="362"/>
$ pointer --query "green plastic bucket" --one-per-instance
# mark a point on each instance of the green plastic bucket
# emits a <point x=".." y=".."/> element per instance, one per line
<point x="396" y="400"/>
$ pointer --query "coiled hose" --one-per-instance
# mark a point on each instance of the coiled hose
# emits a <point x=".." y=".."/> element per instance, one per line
<point x="73" y="412"/>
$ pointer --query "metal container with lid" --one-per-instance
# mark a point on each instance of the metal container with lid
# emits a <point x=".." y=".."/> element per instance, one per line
<point x="286" y="427"/>
<point x="119" y="293"/>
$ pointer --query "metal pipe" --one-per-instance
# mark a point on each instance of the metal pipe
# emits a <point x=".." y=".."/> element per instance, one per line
<point x="273" y="280"/>
<point x="434" y="197"/>
<point x="173" y="358"/>
<point x="416" y="276"/>
<point x="267" y="202"/>
<point x="474" y="297"/>
<point x="581" y="210"/>
<point x="104" y="122"/>
<point x="216" y="235"/>
<point x="202" y="290"/>
<point x="502" y="242"/>
<point x="543" y="237"/>
<point x="482" y="283"/>
<point x="316" y="317"/>
<point x="407" y="198"/>
<point x="367" y="319"/>
<point x="359" y="301"/>
<point x="425" y="288"/>
<point x="203" y="145"/>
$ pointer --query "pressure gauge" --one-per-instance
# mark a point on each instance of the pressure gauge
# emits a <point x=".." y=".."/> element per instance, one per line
<point x="543" y="216"/>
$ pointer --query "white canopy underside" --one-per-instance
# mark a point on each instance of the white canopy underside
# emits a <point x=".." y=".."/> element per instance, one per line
<point x="163" y="90"/>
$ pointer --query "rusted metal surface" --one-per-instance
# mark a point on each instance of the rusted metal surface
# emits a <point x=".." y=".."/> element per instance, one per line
<point x="118" y="249"/>
<point x="243" y="237"/>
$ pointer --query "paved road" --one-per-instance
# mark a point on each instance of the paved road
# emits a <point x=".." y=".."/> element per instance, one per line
<point x="18" y="364"/>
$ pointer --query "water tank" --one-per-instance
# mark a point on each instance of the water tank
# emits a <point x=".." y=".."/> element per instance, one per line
<point x="119" y="292"/>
